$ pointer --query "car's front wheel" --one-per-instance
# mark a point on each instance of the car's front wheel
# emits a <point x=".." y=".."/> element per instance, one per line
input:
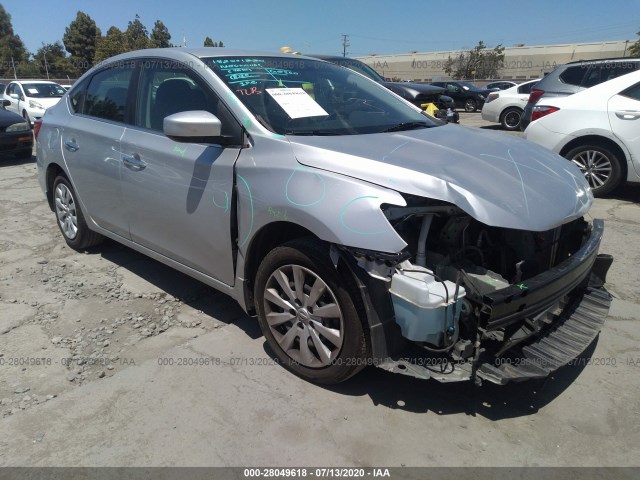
<point x="600" y="166"/>
<point x="510" y="119"/>
<point x="307" y="312"/>
<point x="70" y="217"/>
<point x="470" y="105"/>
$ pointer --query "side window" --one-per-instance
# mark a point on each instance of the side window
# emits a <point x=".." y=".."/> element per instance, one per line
<point x="632" y="92"/>
<point x="526" y="88"/>
<point x="592" y="78"/>
<point x="621" y="68"/>
<point x="452" y="88"/>
<point x="9" y="89"/>
<point x="168" y="89"/>
<point x="77" y="96"/>
<point x="573" y="75"/>
<point x="107" y="92"/>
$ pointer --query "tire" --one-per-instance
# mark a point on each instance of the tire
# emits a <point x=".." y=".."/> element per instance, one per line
<point x="70" y="218"/>
<point x="334" y="347"/>
<point x="470" y="105"/>
<point x="510" y="119"/>
<point x="601" y="167"/>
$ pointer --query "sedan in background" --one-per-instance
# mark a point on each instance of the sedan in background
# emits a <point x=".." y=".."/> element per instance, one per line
<point x="465" y="94"/>
<point x="15" y="135"/>
<point x="597" y="129"/>
<point x="506" y="106"/>
<point x="31" y="98"/>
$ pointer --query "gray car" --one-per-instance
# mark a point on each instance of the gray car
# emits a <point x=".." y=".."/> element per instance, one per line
<point x="359" y="230"/>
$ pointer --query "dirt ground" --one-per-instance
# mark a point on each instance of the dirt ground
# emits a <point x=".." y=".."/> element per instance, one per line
<point x="110" y="358"/>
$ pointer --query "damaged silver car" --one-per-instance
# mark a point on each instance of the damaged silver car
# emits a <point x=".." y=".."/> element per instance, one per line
<point x="358" y="229"/>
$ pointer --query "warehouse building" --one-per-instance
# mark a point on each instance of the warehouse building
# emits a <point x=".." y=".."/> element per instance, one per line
<point x="520" y="62"/>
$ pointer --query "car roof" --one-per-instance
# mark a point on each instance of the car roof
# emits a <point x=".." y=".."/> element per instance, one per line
<point x="615" y="84"/>
<point x="602" y="60"/>
<point x="200" y="52"/>
<point x="22" y="82"/>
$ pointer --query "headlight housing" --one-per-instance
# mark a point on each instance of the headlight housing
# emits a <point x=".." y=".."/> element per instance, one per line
<point x="34" y="104"/>
<point x="18" y="127"/>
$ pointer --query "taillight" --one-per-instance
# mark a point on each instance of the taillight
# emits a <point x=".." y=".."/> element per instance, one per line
<point x="535" y="95"/>
<point x="491" y="97"/>
<point x="36" y="128"/>
<point x="542" y="111"/>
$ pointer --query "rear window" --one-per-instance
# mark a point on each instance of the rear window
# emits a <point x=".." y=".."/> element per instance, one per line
<point x="526" y="88"/>
<point x="573" y="75"/>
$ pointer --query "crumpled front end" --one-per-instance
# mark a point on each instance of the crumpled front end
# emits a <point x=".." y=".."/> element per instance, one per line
<point x="472" y="301"/>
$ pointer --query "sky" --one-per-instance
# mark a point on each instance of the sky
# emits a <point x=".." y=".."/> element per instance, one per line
<point x="374" y="26"/>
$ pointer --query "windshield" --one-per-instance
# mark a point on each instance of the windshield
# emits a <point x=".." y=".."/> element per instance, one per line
<point x="310" y="97"/>
<point x="362" y="68"/>
<point x="43" y="90"/>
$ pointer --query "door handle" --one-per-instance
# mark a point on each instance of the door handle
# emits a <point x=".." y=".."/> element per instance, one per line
<point x="133" y="162"/>
<point x="627" y="114"/>
<point x="71" y="145"/>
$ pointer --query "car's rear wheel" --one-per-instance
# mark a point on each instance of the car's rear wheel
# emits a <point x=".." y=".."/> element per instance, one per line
<point x="510" y="119"/>
<point x="470" y="105"/>
<point x="601" y="167"/>
<point x="307" y="313"/>
<point x="70" y="218"/>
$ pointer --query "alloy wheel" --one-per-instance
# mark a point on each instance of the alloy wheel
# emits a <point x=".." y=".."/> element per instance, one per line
<point x="66" y="211"/>
<point x="595" y="166"/>
<point x="303" y="316"/>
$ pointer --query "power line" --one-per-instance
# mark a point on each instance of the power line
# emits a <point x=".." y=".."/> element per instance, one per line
<point x="345" y="44"/>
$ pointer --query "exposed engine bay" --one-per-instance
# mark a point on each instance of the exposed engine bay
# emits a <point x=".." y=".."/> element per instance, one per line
<point x="471" y="293"/>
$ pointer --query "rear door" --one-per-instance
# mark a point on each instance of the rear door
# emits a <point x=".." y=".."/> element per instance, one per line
<point x="624" y="117"/>
<point x="179" y="195"/>
<point x="91" y="145"/>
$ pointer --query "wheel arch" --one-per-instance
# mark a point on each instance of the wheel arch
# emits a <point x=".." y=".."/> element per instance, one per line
<point x="510" y="107"/>
<point x="53" y="171"/>
<point x="602" y="141"/>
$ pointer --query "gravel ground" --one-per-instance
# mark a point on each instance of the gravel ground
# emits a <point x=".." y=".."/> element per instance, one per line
<point x="82" y="381"/>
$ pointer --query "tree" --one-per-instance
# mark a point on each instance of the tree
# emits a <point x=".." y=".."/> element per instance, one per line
<point x="634" y="51"/>
<point x="51" y="58"/>
<point x="220" y="44"/>
<point x="12" y="51"/>
<point x="113" y="43"/>
<point x="160" y="35"/>
<point x="137" y="35"/>
<point x="80" y="39"/>
<point x="477" y="63"/>
<point x="208" y="42"/>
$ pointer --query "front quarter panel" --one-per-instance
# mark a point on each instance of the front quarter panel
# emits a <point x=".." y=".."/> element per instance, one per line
<point x="273" y="187"/>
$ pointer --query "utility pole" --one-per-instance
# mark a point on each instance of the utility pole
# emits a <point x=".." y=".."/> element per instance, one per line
<point x="44" y="56"/>
<point x="345" y="44"/>
<point x="13" y="64"/>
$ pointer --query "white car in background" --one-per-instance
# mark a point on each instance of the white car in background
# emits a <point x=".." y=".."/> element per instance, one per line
<point x="31" y="98"/>
<point x="598" y="129"/>
<point x="506" y="106"/>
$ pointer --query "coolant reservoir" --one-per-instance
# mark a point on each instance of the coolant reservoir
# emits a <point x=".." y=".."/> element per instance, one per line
<point x="423" y="308"/>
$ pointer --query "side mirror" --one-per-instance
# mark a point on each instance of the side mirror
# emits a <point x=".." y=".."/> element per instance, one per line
<point x="196" y="126"/>
<point x="6" y="103"/>
<point x="14" y="96"/>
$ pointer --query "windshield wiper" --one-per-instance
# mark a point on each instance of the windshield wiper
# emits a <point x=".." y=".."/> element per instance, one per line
<point x="408" y="126"/>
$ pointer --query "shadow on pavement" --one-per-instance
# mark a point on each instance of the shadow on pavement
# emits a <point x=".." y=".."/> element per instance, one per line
<point x="7" y="160"/>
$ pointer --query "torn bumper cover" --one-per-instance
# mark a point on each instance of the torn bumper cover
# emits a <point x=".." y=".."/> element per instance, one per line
<point x="562" y="310"/>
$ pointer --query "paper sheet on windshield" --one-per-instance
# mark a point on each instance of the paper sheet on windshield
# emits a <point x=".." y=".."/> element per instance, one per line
<point x="32" y="91"/>
<point x="296" y="102"/>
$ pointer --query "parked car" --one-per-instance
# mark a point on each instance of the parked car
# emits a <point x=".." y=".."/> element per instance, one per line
<point x="32" y="98"/>
<point x="360" y="230"/>
<point x="2" y="87"/>
<point x="15" y="134"/>
<point x="576" y="76"/>
<point x="598" y="129"/>
<point x="465" y="94"/>
<point x="416" y="93"/>
<point x="501" y="85"/>
<point x="506" y="106"/>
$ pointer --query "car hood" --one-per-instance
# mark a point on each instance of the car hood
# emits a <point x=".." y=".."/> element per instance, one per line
<point x="45" y="102"/>
<point x="498" y="179"/>
<point x="9" y="118"/>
